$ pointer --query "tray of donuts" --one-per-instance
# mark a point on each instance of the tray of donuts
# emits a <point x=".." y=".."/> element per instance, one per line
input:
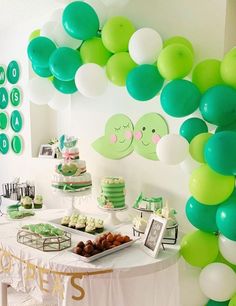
<point x="103" y="245"/>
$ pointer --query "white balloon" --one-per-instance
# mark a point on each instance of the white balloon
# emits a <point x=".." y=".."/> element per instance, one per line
<point x="145" y="46"/>
<point x="100" y="9"/>
<point x="41" y="90"/>
<point x="60" y="101"/>
<point x="189" y="164"/>
<point x="228" y="249"/>
<point x="218" y="282"/>
<point x="91" y="80"/>
<point x="57" y="15"/>
<point x="172" y="149"/>
<point x="48" y="30"/>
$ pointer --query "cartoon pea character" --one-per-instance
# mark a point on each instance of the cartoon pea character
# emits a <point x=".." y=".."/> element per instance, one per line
<point x="147" y="132"/>
<point x="118" y="138"/>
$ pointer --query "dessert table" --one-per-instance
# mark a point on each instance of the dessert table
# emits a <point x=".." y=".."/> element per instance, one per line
<point x="126" y="278"/>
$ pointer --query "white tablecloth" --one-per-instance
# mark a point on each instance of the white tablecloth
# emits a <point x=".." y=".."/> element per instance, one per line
<point x="136" y="279"/>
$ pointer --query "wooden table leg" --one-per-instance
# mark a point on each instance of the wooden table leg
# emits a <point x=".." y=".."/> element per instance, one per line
<point x="3" y="294"/>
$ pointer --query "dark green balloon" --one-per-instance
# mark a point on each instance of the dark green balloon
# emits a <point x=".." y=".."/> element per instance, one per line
<point x="192" y="127"/>
<point x="64" y="63"/>
<point x="180" y="98"/>
<point x="42" y="72"/>
<point x="144" y="82"/>
<point x="220" y="152"/>
<point x="39" y="51"/>
<point x="226" y="216"/>
<point x="201" y="216"/>
<point x="218" y="105"/>
<point x="80" y="20"/>
<point x="65" y="87"/>
<point x="229" y="127"/>
<point x="215" y="303"/>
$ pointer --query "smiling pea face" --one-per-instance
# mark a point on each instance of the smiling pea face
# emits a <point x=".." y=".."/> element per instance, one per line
<point x="147" y="132"/>
<point x="119" y="132"/>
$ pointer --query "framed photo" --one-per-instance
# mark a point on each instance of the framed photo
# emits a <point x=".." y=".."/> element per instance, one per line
<point x="46" y="151"/>
<point x="153" y="235"/>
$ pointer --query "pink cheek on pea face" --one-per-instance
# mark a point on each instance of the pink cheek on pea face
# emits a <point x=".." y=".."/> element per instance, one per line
<point x="138" y="135"/>
<point x="128" y="135"/>
<point x="113" y="138"/>
<point x="156" y="138"/>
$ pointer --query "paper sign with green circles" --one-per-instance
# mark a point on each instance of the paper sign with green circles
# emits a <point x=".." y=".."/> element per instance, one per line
<point x="3" y="120"/>
<point x="4" y="144"/>
<point x="3" y="98"/>
<point x="117" y="140"/>
<point x="16" y="121"/>
<point x="147" y="132"/>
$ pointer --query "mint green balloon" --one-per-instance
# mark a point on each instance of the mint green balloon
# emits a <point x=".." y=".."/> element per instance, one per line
<point x="39" y="51"/>
<point x="116" y="34"/>
<point x="199" y="248"/>
<point x="94" y="51"/>
<point x="192" y="127"/>
<point x="206" y="74"/>
<point x="215" y="303"/>
<point x="68" y="87"/>
<point x="144" y="82"/>
<point x="179" y="40"/>
<point x="118" y="68"/>
<point x="64" y="62"/>
<point x="175" y="62"/>
<point x="80" y="20"/>
<point x="42" y="72"/>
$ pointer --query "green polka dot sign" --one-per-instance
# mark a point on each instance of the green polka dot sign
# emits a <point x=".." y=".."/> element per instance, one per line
<point x="11" y="120"/>
<point x="4" y="144"/>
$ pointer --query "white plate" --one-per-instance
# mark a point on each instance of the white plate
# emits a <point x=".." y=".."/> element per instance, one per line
<point x="107" y="252"/>
<point x="57" y="222"/>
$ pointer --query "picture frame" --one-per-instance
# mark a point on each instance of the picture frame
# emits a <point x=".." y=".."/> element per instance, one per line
<point x="46" y="151"/>
<point x="154" y="234"/>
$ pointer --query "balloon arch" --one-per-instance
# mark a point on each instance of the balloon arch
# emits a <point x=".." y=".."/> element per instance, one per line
<point x="77" y="51"/>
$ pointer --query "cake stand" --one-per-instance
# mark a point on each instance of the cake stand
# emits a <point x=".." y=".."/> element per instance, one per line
<point x="112" y="218"/>
<point x="76" y="197"/>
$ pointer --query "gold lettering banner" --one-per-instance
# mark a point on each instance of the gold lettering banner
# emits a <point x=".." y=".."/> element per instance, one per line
<point x="33" y="271"/>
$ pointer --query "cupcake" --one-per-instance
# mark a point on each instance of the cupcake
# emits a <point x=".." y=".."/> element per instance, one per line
<point x="73" y="221"/>
<point x="26" y="202"/>
<point x="65" y="220"/>
<point x="38" y="201"/>
<point x="80" y="225"/>
<point x="82" y="218"/>
<point x="90" y="228"/>
<point x="99" y="224"/>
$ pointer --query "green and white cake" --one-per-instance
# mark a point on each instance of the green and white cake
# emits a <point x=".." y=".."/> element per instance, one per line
<point x="112" y="192"/>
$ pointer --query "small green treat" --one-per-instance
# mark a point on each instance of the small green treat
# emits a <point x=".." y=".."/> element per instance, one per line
<point x="15" y="214"/>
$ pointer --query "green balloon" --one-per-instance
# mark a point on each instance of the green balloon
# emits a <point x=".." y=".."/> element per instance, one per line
<point x="226" y="216"/>
<point x="175" y="62"/>
<point x="201" y="216"/>
<point x="232" y="302"/>
<point x="209" y="187"/>
<point x="68" y="87"/>
<point x="42" y="72"/>
<point x="4" y="144"/>
<point x="197" y="146"/>
<point x="147" y="132"/>
<point x="220" y="152"/>
<point x="93" y="51"/>
<point x="215" y="303"/>
<point x="116" y="34"/>
<point x="179" y="40"/>
<point x="199" y="248"/>
<point x="39" y="51"/>
<point x="16" y="121"/>
<point x="229" y="127"/>
<point x="80" y="20"/>
<point x="3" y="98"/>
<point x="3" y="121"/>
<point x="192" y="127"/>
<point x="144" y="82"/>
<point x="17" y="144"/>
<point x="64" y="62"/>
<point x="206" y="74"/>
<point x="218" y="105"/>
<point x="34" y="34"/>
<point x="180" y="98"/>
<point x="228" y="68"/>
<point x="118" y="68"/>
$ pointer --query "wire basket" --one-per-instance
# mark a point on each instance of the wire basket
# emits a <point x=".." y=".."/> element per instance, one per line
<point x="45" y="244"/>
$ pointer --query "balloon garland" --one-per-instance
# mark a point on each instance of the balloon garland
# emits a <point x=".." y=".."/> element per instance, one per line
<point x="72" y="58"/>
